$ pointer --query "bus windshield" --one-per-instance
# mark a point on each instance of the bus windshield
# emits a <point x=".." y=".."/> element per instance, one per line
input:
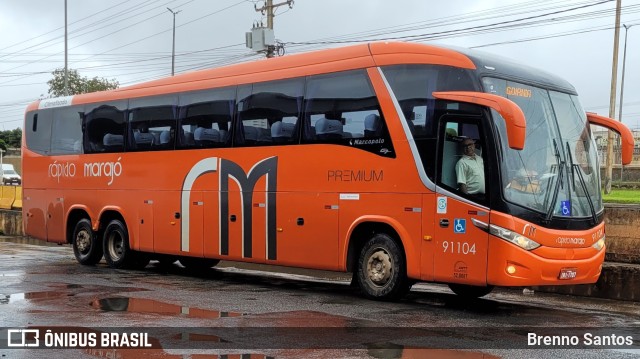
<point x="556" y="172"/>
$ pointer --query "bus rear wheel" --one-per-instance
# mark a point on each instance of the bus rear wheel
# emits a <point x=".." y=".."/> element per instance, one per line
<point x="117" y="252"/>
<point x="86" y="246"/>
<point x="470" y="291"/>
<point x="382" y="273"/>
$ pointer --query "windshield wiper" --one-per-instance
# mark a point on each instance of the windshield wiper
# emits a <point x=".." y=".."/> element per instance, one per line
<point x="556" y="190"/>
<point x="582" y="183"/>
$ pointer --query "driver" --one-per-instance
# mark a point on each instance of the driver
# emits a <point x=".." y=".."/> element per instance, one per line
<point x="470" y="169"/>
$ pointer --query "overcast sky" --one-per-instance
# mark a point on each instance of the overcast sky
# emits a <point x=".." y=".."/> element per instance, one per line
<point x="130" y="40"/>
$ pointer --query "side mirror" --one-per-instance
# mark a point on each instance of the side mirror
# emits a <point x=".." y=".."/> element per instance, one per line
<point x="621" y="129"/>
<point x="512" y="114"/>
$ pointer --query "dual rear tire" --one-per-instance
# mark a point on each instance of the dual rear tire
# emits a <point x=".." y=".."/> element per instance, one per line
<point x="86" y="244"/>
<point x="89" y="249"/>
<point x="117" y="253"/>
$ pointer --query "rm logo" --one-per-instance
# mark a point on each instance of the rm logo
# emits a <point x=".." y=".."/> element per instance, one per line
<point x="229" y="170"/>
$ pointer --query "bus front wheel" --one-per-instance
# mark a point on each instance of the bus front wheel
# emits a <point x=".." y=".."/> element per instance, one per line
<point x="86" y="246"/>
<point x="117" y="252"/>
<point x="470" y="291"/>
<point x="382" y="273"/>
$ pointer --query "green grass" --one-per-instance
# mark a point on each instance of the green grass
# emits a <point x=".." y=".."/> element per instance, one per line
<point x="622" y="195"/>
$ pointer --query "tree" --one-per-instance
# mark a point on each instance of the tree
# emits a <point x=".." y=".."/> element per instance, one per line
<point x="10" y="138"/>
<point x="78" y="84"/>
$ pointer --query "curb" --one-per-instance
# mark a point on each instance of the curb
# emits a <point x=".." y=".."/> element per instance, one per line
<point x="617" y="281"/>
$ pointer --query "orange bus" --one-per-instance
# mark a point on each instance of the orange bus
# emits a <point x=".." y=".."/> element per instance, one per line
<point x="342" y="159"/>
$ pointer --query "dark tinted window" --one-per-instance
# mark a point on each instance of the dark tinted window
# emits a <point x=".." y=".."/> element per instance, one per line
<point x="205" y="118"/>
<point x="342" y="108"/>
<point x="38" y="131"/>
<point x="104" y="127"/>
<point x="152" y="123"/>
<point x="413" y="86"/>
<point x="268" y="113"/>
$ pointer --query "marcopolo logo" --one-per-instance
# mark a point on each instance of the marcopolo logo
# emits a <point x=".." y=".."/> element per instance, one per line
<point x="228" y="170"/>
<point x="570" y="240"/>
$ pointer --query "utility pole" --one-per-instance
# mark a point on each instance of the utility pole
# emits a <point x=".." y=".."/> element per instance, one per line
<point x="612" y="101"/>
<point x="66" y="67"/>
<point x="624" y="65"/>
<point x="269" y="8"/>
<point x="173" y="49"/>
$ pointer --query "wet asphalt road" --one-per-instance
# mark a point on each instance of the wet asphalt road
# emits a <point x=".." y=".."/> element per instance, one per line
<point x="284" y="313"/>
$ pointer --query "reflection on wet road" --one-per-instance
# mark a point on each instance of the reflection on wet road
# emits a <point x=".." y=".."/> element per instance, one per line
<point x="236" y="311"/>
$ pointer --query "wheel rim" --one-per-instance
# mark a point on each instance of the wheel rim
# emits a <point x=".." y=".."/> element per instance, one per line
<point x="116" y="246"/>
<point x="83" y="241"/>
<point x="379" y="267"/>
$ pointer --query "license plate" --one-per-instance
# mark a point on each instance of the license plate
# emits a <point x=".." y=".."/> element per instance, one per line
<point x="568" y="273"/>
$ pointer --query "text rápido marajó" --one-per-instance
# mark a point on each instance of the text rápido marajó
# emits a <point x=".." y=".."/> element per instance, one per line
<point x="109" y="170"/>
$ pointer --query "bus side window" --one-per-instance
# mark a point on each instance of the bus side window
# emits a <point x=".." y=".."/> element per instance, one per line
<point x="104" y="128"/>
<point x="204" y="118"/>
<point x="38" y="131"/>
<point x="66" y="136"/>
<point x="152" y="123"/>
<point x="268" y="113"/>
<point x="342" y="108"/>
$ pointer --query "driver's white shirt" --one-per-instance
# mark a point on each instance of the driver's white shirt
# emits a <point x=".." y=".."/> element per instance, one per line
<point x="470" y="172"/>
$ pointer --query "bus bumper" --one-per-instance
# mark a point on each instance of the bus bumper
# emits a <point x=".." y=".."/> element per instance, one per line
<point x="509" y="265"/>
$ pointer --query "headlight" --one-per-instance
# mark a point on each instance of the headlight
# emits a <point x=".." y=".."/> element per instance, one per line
<point x="515" y="238"/>
<point x="599" y="244"/>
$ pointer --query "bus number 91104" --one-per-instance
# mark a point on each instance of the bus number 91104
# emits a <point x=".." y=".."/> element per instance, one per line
<point x="458" y="247"/>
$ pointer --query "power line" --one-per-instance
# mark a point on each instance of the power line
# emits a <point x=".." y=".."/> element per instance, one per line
<point x="433" y="35"/>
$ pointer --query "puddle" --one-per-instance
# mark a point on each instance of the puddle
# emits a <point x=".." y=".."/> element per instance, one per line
<point x="143" y="305"/>
<point x="12" y="298"/>
<point x="28" y="240"/>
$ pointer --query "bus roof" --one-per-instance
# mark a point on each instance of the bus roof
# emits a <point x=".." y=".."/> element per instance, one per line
<point x="496" y="66"/>
<point x="328" y="60"/>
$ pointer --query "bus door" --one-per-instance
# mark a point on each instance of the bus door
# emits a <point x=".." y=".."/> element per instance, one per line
<point x="460" y="244"/>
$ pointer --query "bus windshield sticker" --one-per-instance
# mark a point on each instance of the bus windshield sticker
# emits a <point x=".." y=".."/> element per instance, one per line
<point x="442" y="205"/>
<point x="565" y="206"/>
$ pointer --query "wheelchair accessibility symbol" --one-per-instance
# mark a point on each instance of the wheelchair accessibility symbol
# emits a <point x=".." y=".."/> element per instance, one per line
<point x="565" y="206"/>
<point x="459" y="225"/>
